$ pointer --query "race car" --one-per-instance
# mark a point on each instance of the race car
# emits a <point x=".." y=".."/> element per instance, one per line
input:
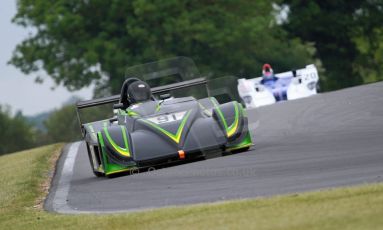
<point x="151" y="128"/>
<point x="284" y="86"/>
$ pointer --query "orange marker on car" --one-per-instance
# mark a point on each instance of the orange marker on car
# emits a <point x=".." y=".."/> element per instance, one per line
<point x="181" y="154"/>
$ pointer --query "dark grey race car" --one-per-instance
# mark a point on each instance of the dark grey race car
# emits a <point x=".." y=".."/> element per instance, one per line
<point x="147" y="132"/>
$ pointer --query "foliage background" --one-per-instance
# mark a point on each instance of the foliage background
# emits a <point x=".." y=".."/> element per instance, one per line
<point x="82" y="42"/>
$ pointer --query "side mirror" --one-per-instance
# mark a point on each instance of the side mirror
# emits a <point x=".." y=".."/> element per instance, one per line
<point x="118" y="106"/>
<point x="165" y="96"/>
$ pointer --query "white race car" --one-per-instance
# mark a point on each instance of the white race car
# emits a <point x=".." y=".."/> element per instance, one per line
<point x="286" y="86"/>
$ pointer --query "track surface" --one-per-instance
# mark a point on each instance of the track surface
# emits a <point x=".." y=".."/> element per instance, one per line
<point x="329" y="140"/>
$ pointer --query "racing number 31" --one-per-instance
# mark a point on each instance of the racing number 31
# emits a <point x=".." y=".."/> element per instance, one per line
<point x="166" y="118"/>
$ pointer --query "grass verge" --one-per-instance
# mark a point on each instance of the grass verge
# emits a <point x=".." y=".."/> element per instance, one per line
<point x="23" y="174"/>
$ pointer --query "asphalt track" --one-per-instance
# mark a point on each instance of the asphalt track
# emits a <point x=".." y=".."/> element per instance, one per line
<point x="328" y="140"/>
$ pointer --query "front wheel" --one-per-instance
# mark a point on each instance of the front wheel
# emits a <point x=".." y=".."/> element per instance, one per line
<point x="240" y="150"/>
<point x="96" y="173"/>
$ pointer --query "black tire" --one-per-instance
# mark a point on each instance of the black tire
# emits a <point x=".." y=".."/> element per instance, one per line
<point x="98" y="174"/>
<point x="240" y="150"/>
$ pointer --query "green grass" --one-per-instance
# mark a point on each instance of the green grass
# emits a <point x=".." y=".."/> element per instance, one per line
<point x="23" y="173"/>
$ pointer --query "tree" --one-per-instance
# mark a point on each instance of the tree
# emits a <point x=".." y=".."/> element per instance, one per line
<point x="62" y="125"/>
<point x="16" y="134"/>
<point x="369" y="41"/>
<point x="82" y="42"/>
<point x="347" y="35"/>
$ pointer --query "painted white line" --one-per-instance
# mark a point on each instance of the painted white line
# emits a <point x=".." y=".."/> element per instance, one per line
<point x="60" y="200"/>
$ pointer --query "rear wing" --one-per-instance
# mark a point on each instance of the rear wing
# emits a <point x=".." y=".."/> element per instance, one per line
<point x="156" y="90"/>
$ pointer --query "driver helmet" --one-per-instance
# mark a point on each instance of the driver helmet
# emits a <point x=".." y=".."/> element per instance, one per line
<point x="267" y="71"/>
<point x="139" y="91"/>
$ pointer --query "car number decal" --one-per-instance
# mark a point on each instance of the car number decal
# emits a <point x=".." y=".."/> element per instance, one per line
<point x="166" y="118"/>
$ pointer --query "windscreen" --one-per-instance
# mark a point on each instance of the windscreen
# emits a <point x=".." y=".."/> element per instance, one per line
<point x="169" y="71"/>
<point x="159" y="73"/>
<point x="163" y="72"/>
